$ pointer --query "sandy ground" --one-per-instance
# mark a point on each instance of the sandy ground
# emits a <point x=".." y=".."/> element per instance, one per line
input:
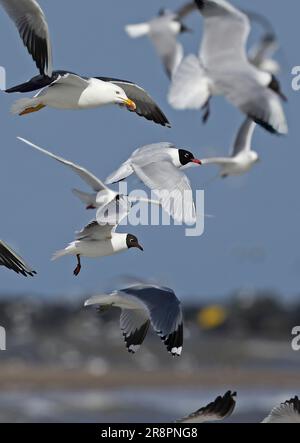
<point x="39" y="377"/>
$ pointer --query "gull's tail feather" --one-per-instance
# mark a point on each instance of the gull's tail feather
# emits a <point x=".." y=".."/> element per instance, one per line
<point x="21" y="106"/>
<point x="136" y="31"/>
<point x="69" y="250"/>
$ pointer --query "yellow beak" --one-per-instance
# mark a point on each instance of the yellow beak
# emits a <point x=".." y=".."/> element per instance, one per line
<point x="130" y="104"/>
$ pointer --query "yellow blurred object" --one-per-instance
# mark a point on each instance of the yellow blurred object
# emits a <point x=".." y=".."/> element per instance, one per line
<point x="212" y="317"/>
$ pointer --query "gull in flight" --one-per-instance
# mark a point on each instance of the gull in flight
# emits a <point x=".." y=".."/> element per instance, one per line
<point x="287" y="412"/>
<point x="223" y="68"/>
<point x="142" y="305"/>
<point x="159" y="166"/>
<point x="242" y="158"/>
<point x="64" y="89"/>
<point x="218" y="410"/>
<point x="31" y="23"/>
<point x="13" y="261"/>
<point x="223" y="407"/>
<point x="97" y="240"/>
<point x="103" y="197"/>
<point x="163" y="32"/>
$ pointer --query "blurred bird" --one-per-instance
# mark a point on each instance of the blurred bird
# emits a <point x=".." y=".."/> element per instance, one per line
<point x="218" y="410"/>
<point x="261" y="54"/>
<point x="242" y="158"/>
<point x="224" y="69"/>
<point x="13" y="261"/>
<point x="163" y="32"/>
<point x="159" y="167"/>
<point x="142" y="305"/>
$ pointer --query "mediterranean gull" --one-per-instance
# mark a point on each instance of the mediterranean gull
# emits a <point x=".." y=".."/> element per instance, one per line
<point x="218" y="410"/>
<point x="163" y="32"/>
<point x="242" y="158"/>
<point x="224" y="69"/>
<point x="13" y="261"/>
<point x="97" y="240"/>
<point x="142" y="305"/>
<point x="102" y="197"/>
<point x="33" y="29"/>
<point x="158" y="167"/>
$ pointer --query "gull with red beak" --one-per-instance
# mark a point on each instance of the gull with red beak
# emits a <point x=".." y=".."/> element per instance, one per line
<point x="159" y="167"/>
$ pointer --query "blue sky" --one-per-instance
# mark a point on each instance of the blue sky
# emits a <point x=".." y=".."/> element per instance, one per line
<point x="253" y="240"/>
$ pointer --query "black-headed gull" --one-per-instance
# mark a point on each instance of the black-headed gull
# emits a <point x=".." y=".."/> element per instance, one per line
<point x="95" y="241"/>
<point x="66" y="90"/>
<point x="141" y="306"/>
<point x="13" y="261"/>
<point x="33" y="29"/>
<point x="242" y="157"/>
<point x="158" y="167"/>
<point x="102" y="197"/>
<point x="288" y="412"/>
<point x="218" y="410"/>
<point x="224" y="69"/>
<point x="163" y="32"/>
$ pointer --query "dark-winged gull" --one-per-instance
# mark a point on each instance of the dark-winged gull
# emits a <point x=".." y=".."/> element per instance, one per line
<point x="66" y="90"/>
<point x="142" y="305"/>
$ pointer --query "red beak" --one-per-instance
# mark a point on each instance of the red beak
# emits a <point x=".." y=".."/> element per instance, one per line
<point x="198" y="162"/>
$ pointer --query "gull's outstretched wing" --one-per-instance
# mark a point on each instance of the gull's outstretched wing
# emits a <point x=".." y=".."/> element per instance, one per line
<point x="145" y="105"/>
<point x="221" y="408"/>
<point x="190" y="85"/>
<point x="90" y="179"/>
<point x="172" y="187"/>
<point x="288" y="412"/>
<point x="165" y="313"/>
<point x="33" y="29"/>
<point x="226" y="30"/>
<point x="244" y="137"/>
<point x="13" y="261"/>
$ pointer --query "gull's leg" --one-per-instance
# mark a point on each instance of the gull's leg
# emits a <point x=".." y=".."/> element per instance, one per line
<point x="78" y="267"/>
<point x="32" y="109"/>
<point x="206" y="109"/>
<point x="90" y="207"/>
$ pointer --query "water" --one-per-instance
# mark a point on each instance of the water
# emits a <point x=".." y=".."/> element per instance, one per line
<point x="129" y="405"/>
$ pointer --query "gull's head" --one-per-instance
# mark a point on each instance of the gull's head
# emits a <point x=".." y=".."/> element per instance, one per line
<point x="254" y="157"/>
<point x="132" y="242"/>
<point x="120" y="98"/>
<point x="186" y="158"/>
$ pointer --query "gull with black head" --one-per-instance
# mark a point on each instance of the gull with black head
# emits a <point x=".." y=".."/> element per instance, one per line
<point x="159" y="166"/>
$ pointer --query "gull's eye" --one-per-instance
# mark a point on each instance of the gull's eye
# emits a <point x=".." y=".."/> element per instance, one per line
<point x="118" y="92"/>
